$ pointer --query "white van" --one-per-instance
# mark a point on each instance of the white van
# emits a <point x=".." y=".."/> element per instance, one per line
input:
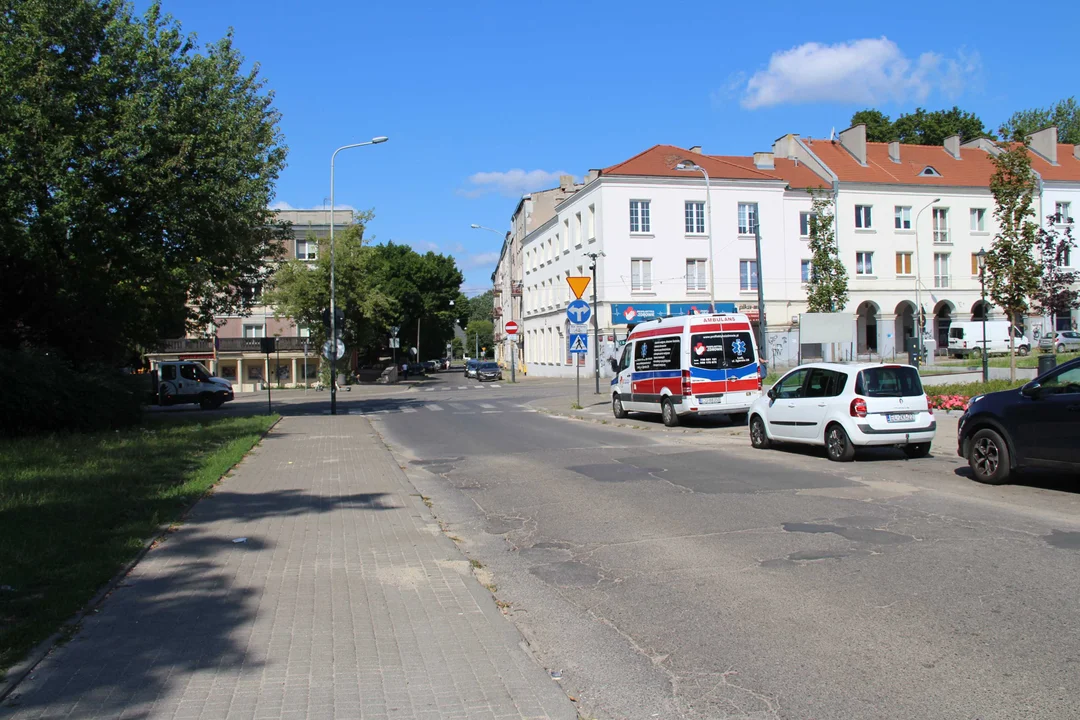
<point x="694" y="364"/>
<point x="966" y="338"/>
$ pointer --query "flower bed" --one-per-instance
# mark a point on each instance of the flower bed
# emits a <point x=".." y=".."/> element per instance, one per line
<point x="957" y="396"/>
<point x="948" y="402"/>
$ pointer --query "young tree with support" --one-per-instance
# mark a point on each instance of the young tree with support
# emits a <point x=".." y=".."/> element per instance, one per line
<point x="827" y="290"/>
<point x="1057" y="293"/>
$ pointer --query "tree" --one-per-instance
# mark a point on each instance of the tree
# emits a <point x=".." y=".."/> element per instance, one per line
<point x="480" y="306"/>
<point x="1065" y="114"/>
<point x="482" y="332"/>
<point x="827" y="290"/>
<point x="135" y="178"/>
<point x="931" y="128"/>
<point x="879" y="128"/>
<point x="1056" y="293"/>
<point x="1012" y="273"/>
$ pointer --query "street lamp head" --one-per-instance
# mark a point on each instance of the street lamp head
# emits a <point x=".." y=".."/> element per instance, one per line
<point x="474" y="226"/>
<point x="981" y="255"/>
<point x="380" y="139"/>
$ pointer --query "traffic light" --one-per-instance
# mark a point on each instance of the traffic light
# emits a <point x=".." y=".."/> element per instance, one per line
<point x="340" y="317"/>
<point x="268" y="344"/>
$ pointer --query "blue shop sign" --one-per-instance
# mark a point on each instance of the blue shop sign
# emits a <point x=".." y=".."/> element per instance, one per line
<point x="698" y="308"/>
<point x="633" y="313"/>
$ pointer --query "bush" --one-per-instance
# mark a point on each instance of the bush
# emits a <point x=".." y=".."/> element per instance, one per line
<point x="971" y="389"/>
<point x="46" y="394"/>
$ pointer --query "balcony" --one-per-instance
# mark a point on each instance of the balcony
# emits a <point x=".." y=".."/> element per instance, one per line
<point x="942" y="281"/>
<point x="497" y="291"/>
<point x="185" y="345"/>
<point x="496" y="312"/>
<point x="225" y="345"/>
<point x="516" y="289"/>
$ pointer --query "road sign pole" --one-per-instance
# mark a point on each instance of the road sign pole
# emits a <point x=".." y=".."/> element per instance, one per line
<point x="596" y="327"/>
<point x="577" y="371"/>
<point x="269" y="404"/>
<point x="513" y="379"/>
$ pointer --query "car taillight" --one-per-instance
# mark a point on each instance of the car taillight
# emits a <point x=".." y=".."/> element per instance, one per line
<point x="687" y="386"/>
<point x="760" y="377"/>
<point x="858" y="408"/>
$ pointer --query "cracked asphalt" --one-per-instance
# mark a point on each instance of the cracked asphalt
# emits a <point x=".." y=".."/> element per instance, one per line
<point x="686" y="575"/>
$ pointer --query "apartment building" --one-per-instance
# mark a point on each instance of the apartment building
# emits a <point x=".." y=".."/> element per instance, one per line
<point x="231" y="347"/>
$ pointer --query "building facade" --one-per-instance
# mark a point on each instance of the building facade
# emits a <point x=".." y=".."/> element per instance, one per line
<point x="231" y="348"/>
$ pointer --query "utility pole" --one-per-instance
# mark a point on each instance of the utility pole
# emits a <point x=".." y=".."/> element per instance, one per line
<point x="762" y="343"/>
<point x="595" y="321"/>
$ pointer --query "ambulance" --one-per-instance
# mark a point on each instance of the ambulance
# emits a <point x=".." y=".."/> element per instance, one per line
<point x="688" y="365"/>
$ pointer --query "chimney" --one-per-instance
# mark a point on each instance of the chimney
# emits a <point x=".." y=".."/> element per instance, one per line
<point x="854" y="141"/>
<point x="1044" y="143"/>
<point x="894" y="152"/>
<point x="566" y="182"/>
<point x="785" y="146"/>
<point x="593" y="174"/>
<point x="764" y="161"/>
<point x="952" y="146"/>
<point x="696" y="149"/>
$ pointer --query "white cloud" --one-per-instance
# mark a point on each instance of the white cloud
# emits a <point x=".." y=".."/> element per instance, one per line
<point x="512" y="183"/>
<point x="282" y="205"/>
<point x="480" y="260"/>
<point x="867" y="71"/>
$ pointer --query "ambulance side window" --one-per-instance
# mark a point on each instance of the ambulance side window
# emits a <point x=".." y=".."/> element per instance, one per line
<point x="624" y="362"/>
<point x="168" y="372"/>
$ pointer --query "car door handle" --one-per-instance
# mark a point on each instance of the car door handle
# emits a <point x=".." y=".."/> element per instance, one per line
<point x="791" y="405"/>
<point x="823" y="405"/>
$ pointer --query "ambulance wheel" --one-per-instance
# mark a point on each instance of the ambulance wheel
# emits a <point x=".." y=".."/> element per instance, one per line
<point x="667" y="412"/>
<point x="206" y="402"/>
<point x="617" y="409"/>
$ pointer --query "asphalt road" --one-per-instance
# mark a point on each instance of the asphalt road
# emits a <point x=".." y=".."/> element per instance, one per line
<point x="685" y="575"/>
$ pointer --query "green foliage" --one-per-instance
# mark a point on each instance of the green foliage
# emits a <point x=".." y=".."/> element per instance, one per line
<point x="827" y="290"/>
<point x="1012" y="274"/>
<point x="1057" y="292"/>
<point x="135" y="176"/>
<point x="45" y="393"/>
<point x="879" y="128"/>
<point x="921" y="127"/>
<point x="377" y="286"/>
<point x="75" y="508"/>
<point x="484" y="331"/>
<point x="1065" y="114"/>
<point x="480" y="306"/>
<point x="971" y="389"/>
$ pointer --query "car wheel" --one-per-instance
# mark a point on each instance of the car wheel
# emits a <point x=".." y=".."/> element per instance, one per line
<point x="617" y="409"/>
<point x="976" y="353"/>
<point x="667" y="412"/>
<point x="917" y="450"/>
<point x="758" y="437"/>
<point x="988" y="457"/>
<point x="1023" y="350"/>
<point x="1061" y="348"/>
<point x="206" y="402"/>
<point x="838" y="444"/>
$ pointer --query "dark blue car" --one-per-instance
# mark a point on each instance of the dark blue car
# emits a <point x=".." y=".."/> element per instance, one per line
<point x="1035" y="426"/>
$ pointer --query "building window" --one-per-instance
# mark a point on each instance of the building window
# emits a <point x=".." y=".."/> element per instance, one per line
<point x="747" y="218"/>
<point x="254" y="331"/>
<point x="577" y="230"/>
<point x="307" y="249"/>
<point x="641" y="274"/>
<point x="903" y="217"/>
<point x="903" y="263"/>
<point x="974" y="264"/>
<point x="748" y="275"/>
<point x="941" y="225"/>
<point x="863" y="218"/>
<point x="566" y="235"/>
<point x="695" y="275"/>
<point x="804" y="223"/>
<point x="695" y="218"/>
<point x="941" y="270"/>
<point x="592" y="222"/>
<point x="805" y="268"/>
<point x="864" y="263"/>
<point x="978" y="219"/>
<point x="639" y="216"/>
<point x="1063" y="211"/>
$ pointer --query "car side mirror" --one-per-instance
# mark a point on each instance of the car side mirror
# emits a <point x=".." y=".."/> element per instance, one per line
<point x="1031" y="390"/>
<point x="772" y="393"/>
<point x="614" y="365"/>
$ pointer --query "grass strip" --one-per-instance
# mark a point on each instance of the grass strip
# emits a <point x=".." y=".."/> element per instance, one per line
<point x="75" y="508"/>
<point x="971" y="389"/>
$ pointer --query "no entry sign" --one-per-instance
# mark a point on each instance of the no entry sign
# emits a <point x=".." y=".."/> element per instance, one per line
<point x="511" y="328"/>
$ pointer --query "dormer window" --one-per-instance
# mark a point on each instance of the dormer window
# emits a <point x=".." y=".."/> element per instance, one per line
<point x="930" y="172"/>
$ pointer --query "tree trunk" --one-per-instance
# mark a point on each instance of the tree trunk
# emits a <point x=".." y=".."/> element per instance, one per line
<point x="1012" y="353"/>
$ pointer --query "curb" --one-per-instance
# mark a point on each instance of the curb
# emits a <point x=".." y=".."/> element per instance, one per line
<point x="20" y="670"/>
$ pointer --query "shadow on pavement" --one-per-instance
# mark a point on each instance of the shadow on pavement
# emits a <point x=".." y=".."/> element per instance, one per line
<point x="1068" y="482"/>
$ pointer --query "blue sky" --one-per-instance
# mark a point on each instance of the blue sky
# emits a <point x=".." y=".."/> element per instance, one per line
<point x="484" y="100"/>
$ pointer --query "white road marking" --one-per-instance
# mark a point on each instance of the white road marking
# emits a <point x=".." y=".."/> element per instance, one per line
<point x="495" y="386"/>
<point x="433" y="408"/>
<point x="459" y="406"/>
<point x="487" y="406"/>
<point x="408" y="410"/>
<point x="462" y="387"/>
<point x="491" y="412"/>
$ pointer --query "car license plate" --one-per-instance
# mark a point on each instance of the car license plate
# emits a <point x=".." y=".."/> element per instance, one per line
<point x="711" y="400"/>
<point x="900" y="417"/>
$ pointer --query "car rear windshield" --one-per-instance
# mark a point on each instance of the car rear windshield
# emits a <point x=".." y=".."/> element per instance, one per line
<point x="489" y="366"/>
<point x="891" y="381"/>
<point x="721" y="350"/>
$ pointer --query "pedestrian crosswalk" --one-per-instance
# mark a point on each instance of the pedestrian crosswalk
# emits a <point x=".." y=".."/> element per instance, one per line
<point x="410" y="407"/>
<point x="472" y="386"/>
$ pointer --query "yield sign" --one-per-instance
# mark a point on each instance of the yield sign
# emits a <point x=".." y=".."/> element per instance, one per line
<point x="578" y="283"/>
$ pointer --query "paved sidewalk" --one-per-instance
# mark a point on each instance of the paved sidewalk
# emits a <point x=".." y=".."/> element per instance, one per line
<point x="345" y="600"/>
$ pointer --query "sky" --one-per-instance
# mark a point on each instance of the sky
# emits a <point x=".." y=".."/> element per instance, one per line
<point x="484" y="101"/>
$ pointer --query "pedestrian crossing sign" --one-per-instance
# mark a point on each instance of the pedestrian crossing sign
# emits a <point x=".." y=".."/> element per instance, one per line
<point x="579" y="343"/>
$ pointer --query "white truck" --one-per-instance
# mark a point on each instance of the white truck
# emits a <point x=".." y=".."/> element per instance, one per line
<point x="966" y="338"/>
<point x="184" y="381"/>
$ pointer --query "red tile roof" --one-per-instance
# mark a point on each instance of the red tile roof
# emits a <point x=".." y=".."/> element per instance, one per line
<point x="974" y="169"/>
<point x="1068" y="167"/>
<point x="660" y="161"/>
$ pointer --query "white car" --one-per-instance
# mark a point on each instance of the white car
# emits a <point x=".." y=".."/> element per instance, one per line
<point x="846" y="406"/>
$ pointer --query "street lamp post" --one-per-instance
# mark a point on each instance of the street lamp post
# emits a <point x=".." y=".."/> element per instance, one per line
<point x="919" y="322"/>
<point x="333" y="298"/>
<point x="512" y="339"/>
<point x="688" y="166"/>
<point x="981" y="255"/>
